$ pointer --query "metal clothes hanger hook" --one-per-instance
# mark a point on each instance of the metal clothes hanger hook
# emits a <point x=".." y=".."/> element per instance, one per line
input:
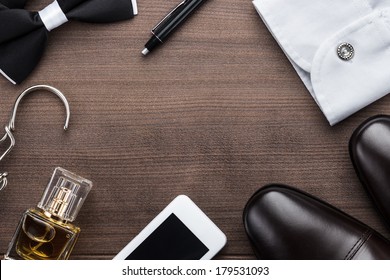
<point x="11" y="125"/>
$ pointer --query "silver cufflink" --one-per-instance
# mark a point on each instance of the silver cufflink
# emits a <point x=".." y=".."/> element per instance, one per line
<point x="345" y="51"/>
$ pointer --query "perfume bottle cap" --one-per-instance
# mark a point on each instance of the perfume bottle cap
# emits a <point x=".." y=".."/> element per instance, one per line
<point x="65" y="194"/>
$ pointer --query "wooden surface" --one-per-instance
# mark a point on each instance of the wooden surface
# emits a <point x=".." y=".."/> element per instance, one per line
<point x="215" y="114"/>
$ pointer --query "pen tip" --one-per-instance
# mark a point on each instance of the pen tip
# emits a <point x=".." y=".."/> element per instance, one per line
<point x="145" y="51"/>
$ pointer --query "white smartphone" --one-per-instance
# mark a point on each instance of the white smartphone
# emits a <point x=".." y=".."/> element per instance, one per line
<point x="180" y="232"/>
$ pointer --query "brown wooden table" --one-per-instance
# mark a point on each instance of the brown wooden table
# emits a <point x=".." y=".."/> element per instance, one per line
<point x="215" y="114"/>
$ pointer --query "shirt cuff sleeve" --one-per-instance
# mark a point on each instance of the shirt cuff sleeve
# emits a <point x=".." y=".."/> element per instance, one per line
<point x="339" y="50"/>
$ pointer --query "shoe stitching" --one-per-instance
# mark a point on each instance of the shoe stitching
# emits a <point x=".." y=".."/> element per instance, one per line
<point x="356" y="247"/>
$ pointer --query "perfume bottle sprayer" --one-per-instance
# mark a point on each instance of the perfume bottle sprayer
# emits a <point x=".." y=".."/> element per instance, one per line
<point x="46" y="232"/>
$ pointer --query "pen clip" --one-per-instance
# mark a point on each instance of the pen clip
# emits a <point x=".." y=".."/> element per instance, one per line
<point x="168" y="15"/>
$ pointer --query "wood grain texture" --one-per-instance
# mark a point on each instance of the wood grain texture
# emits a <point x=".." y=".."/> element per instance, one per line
<point x="215" y="113"/>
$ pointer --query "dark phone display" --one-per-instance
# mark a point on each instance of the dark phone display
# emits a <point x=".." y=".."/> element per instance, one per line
<point x="172" y="240"/>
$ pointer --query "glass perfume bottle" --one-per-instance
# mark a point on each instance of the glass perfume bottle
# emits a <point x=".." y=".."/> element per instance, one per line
<point x="46" y="232"/>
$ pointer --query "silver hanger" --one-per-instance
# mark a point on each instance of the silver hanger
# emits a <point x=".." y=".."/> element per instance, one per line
<point x="11" y="125"/>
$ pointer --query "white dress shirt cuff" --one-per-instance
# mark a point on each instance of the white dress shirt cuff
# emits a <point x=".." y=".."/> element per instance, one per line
<point x="310" y="32"/>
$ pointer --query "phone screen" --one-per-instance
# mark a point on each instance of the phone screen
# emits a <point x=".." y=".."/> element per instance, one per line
<point x="172" y="240"/>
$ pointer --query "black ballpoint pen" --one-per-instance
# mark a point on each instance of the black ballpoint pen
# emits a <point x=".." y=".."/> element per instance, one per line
<point x="169" y="23"/>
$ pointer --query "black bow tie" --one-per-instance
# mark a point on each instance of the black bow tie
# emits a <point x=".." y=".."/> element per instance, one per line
<point x="23" y="34"/>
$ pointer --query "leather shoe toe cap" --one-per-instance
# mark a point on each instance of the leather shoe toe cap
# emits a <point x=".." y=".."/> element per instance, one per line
<point x="369" y="149"/>
<point x="285" y="223"/>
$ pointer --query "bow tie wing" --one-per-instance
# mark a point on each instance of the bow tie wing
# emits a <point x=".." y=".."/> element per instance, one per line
<point x="23" y="39"/>
<point x="12" y="4"/>
<point x="97" y="11"/>
<point x="17" y="23"/>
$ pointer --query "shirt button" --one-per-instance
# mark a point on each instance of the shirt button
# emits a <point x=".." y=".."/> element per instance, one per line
<point x="345" y="51"/>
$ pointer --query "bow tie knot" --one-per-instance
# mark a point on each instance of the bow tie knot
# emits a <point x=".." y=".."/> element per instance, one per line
<point x="23" y="34"/>
<point x="52" y="16"/>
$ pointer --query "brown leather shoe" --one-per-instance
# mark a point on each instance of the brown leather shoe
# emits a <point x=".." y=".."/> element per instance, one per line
<point x="369" y="149"/>
<point x="285" y="223"/>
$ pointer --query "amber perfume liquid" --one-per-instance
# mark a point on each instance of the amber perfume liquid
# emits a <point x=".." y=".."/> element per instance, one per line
<point x="46" y="232"/>
<point x="40" y="237"/>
